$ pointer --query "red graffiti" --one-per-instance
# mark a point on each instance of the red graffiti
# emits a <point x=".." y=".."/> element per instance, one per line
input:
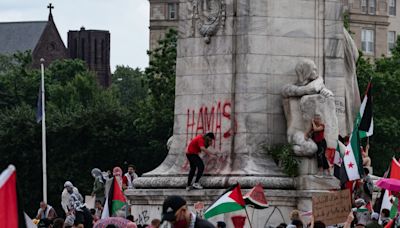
<point x="216" y="118"/>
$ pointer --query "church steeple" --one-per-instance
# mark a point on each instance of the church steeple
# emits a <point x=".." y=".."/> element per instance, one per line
<point x="50" y="7"/>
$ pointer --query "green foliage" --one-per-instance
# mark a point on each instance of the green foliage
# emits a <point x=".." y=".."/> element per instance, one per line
<point x="385" y="75"/>
<point x="87" y="126"/>
<point x="160" y="81"/>
<point x="129" y="85"/>
<point x="285" y="158"/>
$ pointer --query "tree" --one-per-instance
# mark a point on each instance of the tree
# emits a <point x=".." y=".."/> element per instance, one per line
<point x="87" y="126"/>
<point x="129" y="86"/>
<point x="157" y="112"/>
<point x="385" y="75"/>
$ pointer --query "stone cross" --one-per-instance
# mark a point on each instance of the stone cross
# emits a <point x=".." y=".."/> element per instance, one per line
<point x="50" y="7"/>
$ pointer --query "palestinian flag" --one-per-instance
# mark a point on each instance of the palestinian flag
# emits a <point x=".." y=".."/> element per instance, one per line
<point x="256" y="197"/>
<point x="366" y="122"/>
<point x="352" y="160"/>
<point x="393" y="172"/>
<point x="231" y="200"/>
<point x="11" y="211"/>
<point x="115" y="200"/>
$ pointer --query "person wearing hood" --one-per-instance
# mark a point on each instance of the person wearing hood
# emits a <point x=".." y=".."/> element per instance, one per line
<point x="98" y="185"/>
<point x="65" y="195"/>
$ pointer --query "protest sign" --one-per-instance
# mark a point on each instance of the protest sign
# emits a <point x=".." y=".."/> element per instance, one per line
<point x="331" y="208"/>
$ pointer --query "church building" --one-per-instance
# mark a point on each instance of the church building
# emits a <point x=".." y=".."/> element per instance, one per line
<point x="44" y="41"/>
<point x="40" y="37"/>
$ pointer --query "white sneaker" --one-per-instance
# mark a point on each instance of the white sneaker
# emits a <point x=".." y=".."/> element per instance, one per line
<point x="188" y="188"/>
<point x="197" y="186"/>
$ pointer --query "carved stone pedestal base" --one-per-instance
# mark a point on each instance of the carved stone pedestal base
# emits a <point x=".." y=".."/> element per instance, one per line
<point x="215" y="182"/>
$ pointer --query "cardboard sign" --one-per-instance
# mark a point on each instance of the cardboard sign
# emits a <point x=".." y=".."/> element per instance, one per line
<point x="332" y="208"/>
<point x="90" y="201"/>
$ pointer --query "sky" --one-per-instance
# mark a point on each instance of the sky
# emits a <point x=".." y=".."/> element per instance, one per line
<point x="127" y="21"/>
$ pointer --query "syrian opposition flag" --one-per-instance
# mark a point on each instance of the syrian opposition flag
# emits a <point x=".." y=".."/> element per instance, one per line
<point x="366" y="124"/>
<point x="115" y="200"/>
<point x="338" y="160"/>
<point x="11" y="211"/>
<point x="393" y="172"/>
<point x="352" y="160"/>
<point x="256" y="197"/>
<point x="231" y="200"/>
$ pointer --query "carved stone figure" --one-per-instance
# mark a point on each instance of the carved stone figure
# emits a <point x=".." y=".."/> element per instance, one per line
<point x="209" y="15"/>
<point x="352" y="97"/>
<point x="302" y="100"/>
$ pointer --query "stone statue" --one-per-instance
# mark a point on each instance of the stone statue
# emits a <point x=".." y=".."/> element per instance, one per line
<point x="352" y="94"/>
<point x="304" y="99"/>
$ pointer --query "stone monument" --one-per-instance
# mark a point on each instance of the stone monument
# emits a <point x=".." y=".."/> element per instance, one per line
<point x="234" y="57"/>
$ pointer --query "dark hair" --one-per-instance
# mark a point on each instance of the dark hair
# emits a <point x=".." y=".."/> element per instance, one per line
<point x="111" y="226"/>
<point x="155" y="222"/>
<point x="221" y="224"/>
<point x="58" y="223"/>
<point x="130" y="218"/>
<point x="132" y="166"/>
<point x="319" y="224"/>
<point x="385" y="212"/>
<point x="98" y="201"/>
<point x="297" y="223"/>
<point x="92" y="211"/>
<point x="366" y="171"/>
<point x="282" y="225"/>
<point x="210" y="135"/>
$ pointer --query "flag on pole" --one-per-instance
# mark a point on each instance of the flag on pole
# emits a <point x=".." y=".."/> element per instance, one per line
<point x="352" y="159"/>
<point x="256" y="197"/>
<point x="393" y="172"/>
<point x="115" y="200"/>
<point x="366" y="126"/>
<point x="39" y="113"/>
<point x="11" y="211"/>
<point x="338" y="160"/>
<point x="231" y="200"/>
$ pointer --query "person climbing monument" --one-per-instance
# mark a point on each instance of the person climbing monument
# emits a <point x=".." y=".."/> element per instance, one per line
<point x="198" y="144"/>
<point x="317" y="134"/>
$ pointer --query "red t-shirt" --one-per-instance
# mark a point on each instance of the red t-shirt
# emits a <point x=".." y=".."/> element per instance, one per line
<point x="195" y="144"/>
<point x="318" y="136"/>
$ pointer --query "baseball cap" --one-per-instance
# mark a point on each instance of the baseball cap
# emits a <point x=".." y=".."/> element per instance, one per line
<point x="170" y="206"/>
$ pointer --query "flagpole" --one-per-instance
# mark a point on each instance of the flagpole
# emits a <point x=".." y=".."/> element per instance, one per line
<point x="44" y="162"/>
<point x="248" y="218"/>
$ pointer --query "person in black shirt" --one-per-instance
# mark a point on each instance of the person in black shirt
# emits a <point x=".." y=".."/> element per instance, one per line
<point x="176" y="212"/>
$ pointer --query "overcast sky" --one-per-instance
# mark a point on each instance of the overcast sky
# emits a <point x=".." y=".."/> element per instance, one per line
<point x="127" y="21"/>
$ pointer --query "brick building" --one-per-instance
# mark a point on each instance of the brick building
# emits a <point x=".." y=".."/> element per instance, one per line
<point x="41" y="37"/>
<point x="164" y="14"/>
<point x="92" y="46"/>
